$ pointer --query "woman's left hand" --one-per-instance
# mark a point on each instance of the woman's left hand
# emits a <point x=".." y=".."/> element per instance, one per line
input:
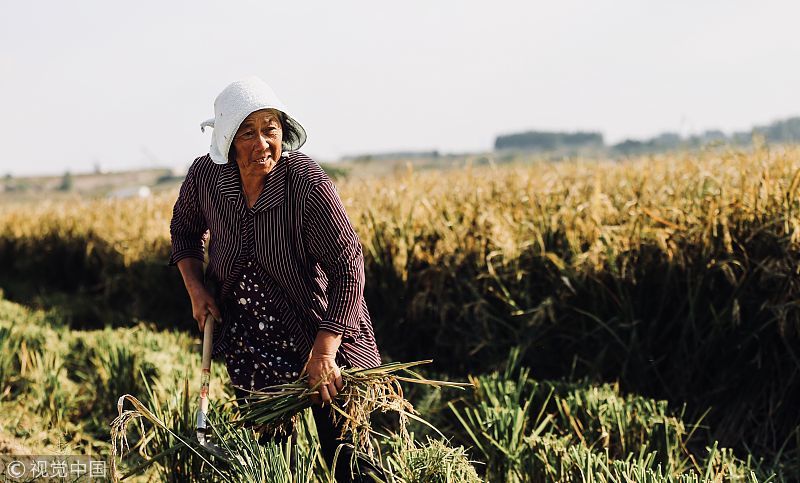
<point x="324" y="368"/>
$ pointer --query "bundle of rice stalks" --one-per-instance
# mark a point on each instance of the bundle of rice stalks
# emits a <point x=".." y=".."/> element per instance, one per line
<point x="365" y="391"/>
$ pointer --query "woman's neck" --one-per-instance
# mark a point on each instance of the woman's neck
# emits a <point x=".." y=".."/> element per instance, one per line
<point x="253" y="182"/>
<point x="252" y="186"/>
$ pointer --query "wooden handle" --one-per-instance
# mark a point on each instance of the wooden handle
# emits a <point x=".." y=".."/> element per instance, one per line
<point x="208" y="341"/>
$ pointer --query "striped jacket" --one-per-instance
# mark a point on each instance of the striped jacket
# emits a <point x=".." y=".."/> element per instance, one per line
<point x="304" y="243"/>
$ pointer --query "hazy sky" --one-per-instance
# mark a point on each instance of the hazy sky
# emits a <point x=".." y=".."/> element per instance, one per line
<point x="126" y="84"/>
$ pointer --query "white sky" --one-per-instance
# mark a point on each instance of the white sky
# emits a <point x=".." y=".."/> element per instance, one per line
<point x="126" y="84"/>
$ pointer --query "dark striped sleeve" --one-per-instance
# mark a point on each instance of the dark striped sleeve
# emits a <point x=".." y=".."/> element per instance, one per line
<point x="332" y="241"/>
<point x="188" y="226"/>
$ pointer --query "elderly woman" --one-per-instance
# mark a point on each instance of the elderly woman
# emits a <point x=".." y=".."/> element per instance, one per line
<point x="285" y="262"/>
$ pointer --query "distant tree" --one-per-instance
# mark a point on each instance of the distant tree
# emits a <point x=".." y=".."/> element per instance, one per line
<point x="67" y="183"/>
<point x="581" y="139"/>
<point x="667" y="140"/>
<point x="714" y="135"/>
<point x="742" y="137"/>
<point x="629" y="146"/>
<point x="785" y="131"/>
<point x="335" y="172"/>
<point x="708" y="137"/>
<point x="547" y="141"/>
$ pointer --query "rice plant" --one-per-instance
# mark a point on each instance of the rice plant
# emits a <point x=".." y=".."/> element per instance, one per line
<point x="113" y="368"/>
<point x="502" y="417"/>
<point x="9" y="361"/>
<point x="177" y="455"/>
<point x="51" y="392"/>
<point x="168" y="444"/>
<point x="432" y="462"/>
<point x="532" y="431"/>
<point x="253" y="461"/>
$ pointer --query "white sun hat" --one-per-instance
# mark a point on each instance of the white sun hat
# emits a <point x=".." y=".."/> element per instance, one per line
<point x="233" y="105"/>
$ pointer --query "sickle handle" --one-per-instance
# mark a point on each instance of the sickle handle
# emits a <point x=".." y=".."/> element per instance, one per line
<point x="208" y="343"/>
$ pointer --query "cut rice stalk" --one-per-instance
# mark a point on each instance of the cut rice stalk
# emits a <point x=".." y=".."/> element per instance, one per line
<point x="365" y="391"/>
<point x="119" y="430"/>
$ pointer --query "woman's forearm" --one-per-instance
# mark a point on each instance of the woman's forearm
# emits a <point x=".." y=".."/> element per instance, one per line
<point x="192" y="272"/>
<point x="326" y="344"/>
<point x="203" y="302"/>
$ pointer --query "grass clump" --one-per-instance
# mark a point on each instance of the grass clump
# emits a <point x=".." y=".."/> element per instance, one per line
<point x="541" y="431"/>
<point x="9" y="361"/>
<point x="433" y="462"/>
<point x="114" y="369"/>
<point x="52" y="393"/>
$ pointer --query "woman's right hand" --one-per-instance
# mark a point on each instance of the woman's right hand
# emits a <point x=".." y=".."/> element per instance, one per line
<point x="203" y="304"/>
<point x="202" y="301"/>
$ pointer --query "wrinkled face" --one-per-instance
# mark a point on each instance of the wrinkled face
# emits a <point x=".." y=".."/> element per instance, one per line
<point x="257" y="143"/>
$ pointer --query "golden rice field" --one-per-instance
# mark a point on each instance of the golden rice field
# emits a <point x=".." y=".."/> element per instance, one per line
<point x="603" y="208"/>
<point x="629" y="320"/>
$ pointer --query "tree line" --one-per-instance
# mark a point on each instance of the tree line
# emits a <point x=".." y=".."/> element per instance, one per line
<point x="782" y="131"/>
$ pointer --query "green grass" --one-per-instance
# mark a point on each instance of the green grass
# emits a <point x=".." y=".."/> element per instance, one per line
<point x="510" y="428"/>
<point x="540" y="431"/>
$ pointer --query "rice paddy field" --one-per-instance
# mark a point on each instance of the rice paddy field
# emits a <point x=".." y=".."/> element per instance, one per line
<point x="619" y="321"/>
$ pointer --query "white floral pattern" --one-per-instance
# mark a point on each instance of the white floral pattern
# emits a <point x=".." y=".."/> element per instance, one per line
<point x="263" y="353"/>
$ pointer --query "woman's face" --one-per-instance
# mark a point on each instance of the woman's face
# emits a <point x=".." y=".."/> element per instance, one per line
<point x="257" y="143"/>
